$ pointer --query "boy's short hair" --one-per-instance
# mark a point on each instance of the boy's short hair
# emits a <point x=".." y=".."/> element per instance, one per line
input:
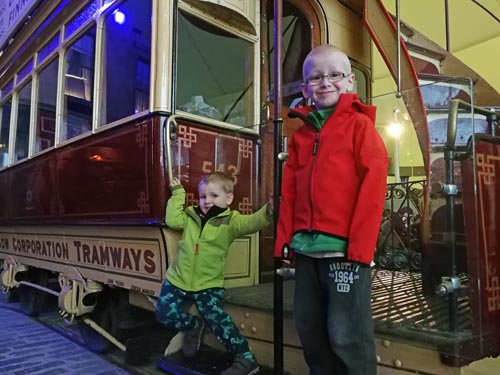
<point x="224" y="180"/>
<point x="327" y="48"/>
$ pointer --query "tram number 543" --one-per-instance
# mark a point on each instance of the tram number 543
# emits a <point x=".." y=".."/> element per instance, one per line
<point x="208" y="167"/>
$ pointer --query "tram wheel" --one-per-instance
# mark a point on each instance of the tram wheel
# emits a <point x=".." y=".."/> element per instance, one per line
<point x="104" y="315"/>
<point x="31" y="299"/>
<point x="13" y="296"/>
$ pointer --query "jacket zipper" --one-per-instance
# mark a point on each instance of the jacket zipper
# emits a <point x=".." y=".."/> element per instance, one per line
<point x="196" y="252"/>
<point x="316" y="144"/>
<point x="314" y="152"/>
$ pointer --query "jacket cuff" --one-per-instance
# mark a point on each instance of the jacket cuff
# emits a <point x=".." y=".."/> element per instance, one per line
<point x="176" y="187"/>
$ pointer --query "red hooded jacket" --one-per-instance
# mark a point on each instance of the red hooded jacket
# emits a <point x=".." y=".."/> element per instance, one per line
<point x="334" y="181"/>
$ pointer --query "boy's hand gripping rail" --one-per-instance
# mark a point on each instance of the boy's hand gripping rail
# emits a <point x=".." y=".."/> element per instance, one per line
<point x="286" y="258"/>
<point x="286" y="272"/>
<point x="171" y="134"/>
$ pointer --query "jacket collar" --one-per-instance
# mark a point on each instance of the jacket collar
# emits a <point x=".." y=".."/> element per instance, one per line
<point x="347" y="103"/>
<point x="196" y="214"/>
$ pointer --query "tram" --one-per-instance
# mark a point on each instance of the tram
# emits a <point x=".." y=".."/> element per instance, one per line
<point x="102" y="101"/>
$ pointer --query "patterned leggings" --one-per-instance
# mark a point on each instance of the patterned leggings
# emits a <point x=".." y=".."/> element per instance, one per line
<point x="209" y="303"/>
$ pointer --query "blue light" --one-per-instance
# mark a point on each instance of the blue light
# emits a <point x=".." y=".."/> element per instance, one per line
<point x="119" y="17"/>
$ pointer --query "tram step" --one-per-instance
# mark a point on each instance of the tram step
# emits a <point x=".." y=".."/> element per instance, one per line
<point x="135" y="324"/>
<point x="207" y="362"/>
<point x="138" y="351"/>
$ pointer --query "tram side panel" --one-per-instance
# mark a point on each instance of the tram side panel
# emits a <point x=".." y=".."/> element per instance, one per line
<point x="4" y="197"/>
<point x="32" y="190"/>
<point x="132" y="258"/>
<point x="199" y="150"/>
<point x="113" y="186"/>
<point x="482" y="213"/>
<point x="111" y="177"/>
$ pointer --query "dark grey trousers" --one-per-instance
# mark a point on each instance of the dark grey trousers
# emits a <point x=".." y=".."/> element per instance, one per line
<point x="332" y="313"/>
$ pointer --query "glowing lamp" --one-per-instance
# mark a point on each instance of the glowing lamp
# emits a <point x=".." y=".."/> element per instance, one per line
<point x="119" y="17"/>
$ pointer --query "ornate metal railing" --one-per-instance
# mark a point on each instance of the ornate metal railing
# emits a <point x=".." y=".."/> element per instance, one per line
<point x="398" y="245"/>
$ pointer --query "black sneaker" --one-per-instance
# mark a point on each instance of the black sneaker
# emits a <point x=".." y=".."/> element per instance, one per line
<point x="242" y="366"/>
<point x="192" y="339"/>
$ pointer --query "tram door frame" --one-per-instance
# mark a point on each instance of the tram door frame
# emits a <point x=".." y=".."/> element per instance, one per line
<point x="311" y="20"/>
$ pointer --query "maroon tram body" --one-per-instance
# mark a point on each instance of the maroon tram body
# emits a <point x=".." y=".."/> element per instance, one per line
<point x="481" y="213"/>
<point x="119" y="176"/>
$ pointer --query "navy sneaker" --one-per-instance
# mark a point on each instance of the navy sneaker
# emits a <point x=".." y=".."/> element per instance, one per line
<point x="192" y="339"/>
<point x="242" y="366"/>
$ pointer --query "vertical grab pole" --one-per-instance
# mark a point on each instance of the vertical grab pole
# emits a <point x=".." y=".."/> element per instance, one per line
<point x="398" y="50"/>
<point x="170" y="127"/>
<point x="278" y="147"/>
<point x="451" y="241"/>
<point x="447" y="24"/>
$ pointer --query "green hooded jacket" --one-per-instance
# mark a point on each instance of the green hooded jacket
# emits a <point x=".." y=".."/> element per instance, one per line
<point x="202" y="250"/>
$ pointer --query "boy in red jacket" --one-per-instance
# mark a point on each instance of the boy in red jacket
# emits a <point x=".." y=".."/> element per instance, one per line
<point x="332" y="199"/>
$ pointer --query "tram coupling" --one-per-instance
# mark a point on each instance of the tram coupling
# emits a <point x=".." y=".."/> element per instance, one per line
<point x="10" y="277"/>
<point x="444" y="189"/>
<point x="448" y="285"/>
<point x="77" y="297"/>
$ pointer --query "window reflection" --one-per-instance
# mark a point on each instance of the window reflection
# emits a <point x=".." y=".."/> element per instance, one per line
<point x="4" y="133"/>
<point x="23" y="123"/>
<point x="296" y="45"/>
<point x="125" y="86"/>
<point x="79" y="85"/>
<point x="214" y="72"/>
<point x="46" y="107"/>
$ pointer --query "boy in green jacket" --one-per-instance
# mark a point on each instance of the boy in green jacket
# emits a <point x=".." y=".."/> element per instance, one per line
<point x="197" y="272"/>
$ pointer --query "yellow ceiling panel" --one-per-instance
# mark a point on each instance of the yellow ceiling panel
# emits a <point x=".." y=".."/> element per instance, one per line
<point x="473" y="30"/>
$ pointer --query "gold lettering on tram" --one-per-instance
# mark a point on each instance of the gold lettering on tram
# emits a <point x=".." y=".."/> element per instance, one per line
<point x="120" y="255"/>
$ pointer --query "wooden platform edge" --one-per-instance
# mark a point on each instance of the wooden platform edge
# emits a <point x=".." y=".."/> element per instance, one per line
<point x="394" y="358"/>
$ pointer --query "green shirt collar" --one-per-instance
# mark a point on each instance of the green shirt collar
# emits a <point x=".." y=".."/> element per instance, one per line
<point x="319" y="117"/>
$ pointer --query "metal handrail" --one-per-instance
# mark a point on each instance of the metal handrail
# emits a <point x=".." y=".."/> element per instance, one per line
<point x="168" y="124"/>
<point x="455" y="105"/>
<point x="451" y="284"/>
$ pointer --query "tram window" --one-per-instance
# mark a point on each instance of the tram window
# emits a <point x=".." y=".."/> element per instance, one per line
<point x="214" y="72"/>
<point x="143" y="72"/>
<point x="46" y="106"/>
<point x="296" y="45"/>
<point x="23" y="123"/>
<point x="79" y="20"/>
<point x="6" y="90"/>
<point x="79" y="86"/>
<point x="360" y="84"/>
<point x="24" y="71"/>
<point x="5" y="109"/>
<point x="127" y="51"/>
<point x="48" y="49"/>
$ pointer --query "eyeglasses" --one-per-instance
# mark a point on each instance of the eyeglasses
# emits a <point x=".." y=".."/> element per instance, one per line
<point x="332" y="78"/>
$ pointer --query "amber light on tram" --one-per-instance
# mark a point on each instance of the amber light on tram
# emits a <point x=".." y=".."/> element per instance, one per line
<point x="96" y="157"/>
